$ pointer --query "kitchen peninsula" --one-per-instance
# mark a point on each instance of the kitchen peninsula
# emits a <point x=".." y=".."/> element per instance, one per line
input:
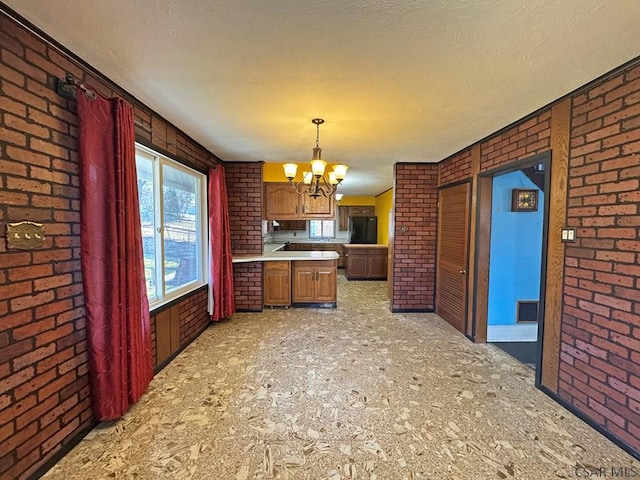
<point x="299" y="278"/>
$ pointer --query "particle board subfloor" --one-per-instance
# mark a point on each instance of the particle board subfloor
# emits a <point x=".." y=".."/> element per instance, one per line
<point x="349" y="393"/>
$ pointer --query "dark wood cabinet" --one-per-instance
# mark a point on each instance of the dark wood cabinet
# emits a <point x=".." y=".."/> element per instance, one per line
<point x="291" y="225"/>
<point x="282" y="202"/>
<point x="344" y="212"/>
<point x="361" y="211"/>
<point x="277" y="284"/>
<point x="314" y="281"/>
<point x="343" y="219"/>
<point x="356" y="266"/>
<point x="342" y="261"/>
<point x="366" y="262"/>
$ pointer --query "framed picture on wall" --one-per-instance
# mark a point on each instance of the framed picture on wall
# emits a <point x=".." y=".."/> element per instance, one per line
<point x="524" y="200"/>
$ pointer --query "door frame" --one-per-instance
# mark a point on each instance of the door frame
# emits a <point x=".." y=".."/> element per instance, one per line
<point x="467" y="324"/>
<point x="483" y="243"/>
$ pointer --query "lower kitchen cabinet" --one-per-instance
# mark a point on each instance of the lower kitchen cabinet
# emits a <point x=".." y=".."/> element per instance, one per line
<point x="366" y="262"/>
<point x="314" y="281"/>
<point x="277" y="284"/>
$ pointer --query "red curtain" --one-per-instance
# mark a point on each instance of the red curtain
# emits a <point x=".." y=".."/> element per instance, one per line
<point x="221" y="281"/>
<point x="118" y="324"/>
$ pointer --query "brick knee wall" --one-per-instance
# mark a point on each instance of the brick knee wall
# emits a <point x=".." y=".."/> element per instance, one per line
<point x="247" y="279"/>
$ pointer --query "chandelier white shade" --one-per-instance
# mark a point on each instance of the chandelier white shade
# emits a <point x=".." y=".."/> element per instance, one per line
<point x="317" y="181"/>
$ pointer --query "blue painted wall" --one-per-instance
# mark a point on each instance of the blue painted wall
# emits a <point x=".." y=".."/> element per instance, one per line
<point x="516" y="250"/>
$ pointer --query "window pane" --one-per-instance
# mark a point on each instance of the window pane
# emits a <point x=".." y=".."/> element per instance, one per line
<point x="328" y="228"/>
<point x="144" y="166"/>
<point x="315" y="229"/>
<point x="180" y="227"/>
<point x="322" y="229"/>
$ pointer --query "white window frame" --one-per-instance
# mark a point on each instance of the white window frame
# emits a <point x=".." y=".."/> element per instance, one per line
<point x="162" y="296"/>
<point x="322" y="229"/>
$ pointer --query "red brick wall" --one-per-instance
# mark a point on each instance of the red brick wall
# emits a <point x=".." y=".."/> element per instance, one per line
<point x="600" y="349"/>
<point x="244" y="192"/>
<point x="193" y="317"/>
<point x="44" y="388"/>
<point x="247" y="282"/>
<point x="455" y="168"/>
<point x="524" y="139"/>
<point x="414" y="247"/>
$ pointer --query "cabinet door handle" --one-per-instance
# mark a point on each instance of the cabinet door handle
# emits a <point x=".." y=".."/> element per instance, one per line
<point x="303" y="208"/>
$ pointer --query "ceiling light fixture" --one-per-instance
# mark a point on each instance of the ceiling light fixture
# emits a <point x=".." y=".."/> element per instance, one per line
<point x="316" y="182"/>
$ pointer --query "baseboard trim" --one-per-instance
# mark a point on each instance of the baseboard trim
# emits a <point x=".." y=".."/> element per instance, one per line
<point x="48" y="465"/>
<point x="412" y="310"/>
<point x="315" y="305"/>
<point x="589" y="421"/>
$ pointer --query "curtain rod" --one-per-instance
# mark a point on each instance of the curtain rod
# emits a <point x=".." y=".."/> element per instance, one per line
<point x="66" y="87"/>
<point x="70" y="81"/>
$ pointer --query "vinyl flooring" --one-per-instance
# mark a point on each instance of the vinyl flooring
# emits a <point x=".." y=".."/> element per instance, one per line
<point x="349" y="393"/>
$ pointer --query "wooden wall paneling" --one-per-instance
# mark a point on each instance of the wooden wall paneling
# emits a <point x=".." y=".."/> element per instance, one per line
<point x="163" y="336"/>
<point x="475" y="170"/>
<point x="174" y="314"/>
<point x="560" y="122"/>
<point x="483" y="245"/>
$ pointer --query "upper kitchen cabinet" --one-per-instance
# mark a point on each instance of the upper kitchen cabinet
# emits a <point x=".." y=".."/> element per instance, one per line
<point x="353" y="211"/>
<point x="283" y="203"/>
<point x="318" y="207"/>
<point x="343" y="218"/>
<point x="361" y="211"/>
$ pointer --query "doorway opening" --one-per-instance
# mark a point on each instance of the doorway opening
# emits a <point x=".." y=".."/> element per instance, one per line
<point x="515" y="203"/>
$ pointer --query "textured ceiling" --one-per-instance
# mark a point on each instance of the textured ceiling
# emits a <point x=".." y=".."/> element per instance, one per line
<point x="396" y="81"/>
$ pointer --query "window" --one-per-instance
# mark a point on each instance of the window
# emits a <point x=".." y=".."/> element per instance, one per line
<point x="173" y="217"/>
<point x="322" y="228"/>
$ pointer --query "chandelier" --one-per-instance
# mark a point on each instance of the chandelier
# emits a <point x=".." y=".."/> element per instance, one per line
<point x="316" y="182"/>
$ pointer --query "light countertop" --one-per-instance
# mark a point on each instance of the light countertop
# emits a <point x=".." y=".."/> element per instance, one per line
<point x="277" y="255"/>
<point x="364" y="245"/>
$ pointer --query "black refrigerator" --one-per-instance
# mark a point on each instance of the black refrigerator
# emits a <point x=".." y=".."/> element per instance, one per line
<point x="363" y="229"/>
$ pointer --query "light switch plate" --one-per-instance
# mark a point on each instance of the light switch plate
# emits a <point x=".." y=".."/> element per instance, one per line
<point x="25" y="235"/>
<point x="568" y="235"/>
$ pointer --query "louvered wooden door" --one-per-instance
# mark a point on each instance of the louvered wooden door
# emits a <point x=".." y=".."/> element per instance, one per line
<point x="453" y="244"/>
